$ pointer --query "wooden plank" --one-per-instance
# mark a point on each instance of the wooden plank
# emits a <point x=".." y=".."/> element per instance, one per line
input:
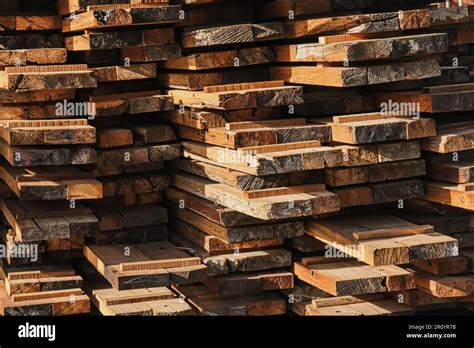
<point x="342" y="278"/>
<point x="450" y="138"/>
<point x="107" y="260"/>
<point x="265" y="97"/>
<point x="66" y="7"/>
<point x="263" y="208"/>
<point x="116" y="15"/>
<point x="237" y="234"/>
<point x="209" y="303"/>
<point x="450" y="194"/>
<point x="248" y="283"/>
<point x="357" y="76"/>
<point x="222" y="59"/>
<point x="363" y="50"/>
<point x="232" y="34"/>
<point x="267" y="163"/>
<point x="382" y="251"/>
<point x="119" y="39"/>
<point x="30" y="78"/>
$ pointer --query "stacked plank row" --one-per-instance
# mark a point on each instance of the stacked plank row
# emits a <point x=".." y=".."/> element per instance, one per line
<point x="42" y="145"/>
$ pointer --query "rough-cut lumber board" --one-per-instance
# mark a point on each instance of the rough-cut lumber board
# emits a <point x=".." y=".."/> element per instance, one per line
<point x="221" y="12"/>
<point x="135" y="184"/>
<point x="208" y="302"/>
<point x="362" y="308"/>
<point x="359" y="155"/>
<point x="204" y="119"/>
<point x="131" y="103"/>
<point x="47" y="132"/>
<point x="247" y="261"/>
<point x="125" y="73"/>
<point x="139" y="54"/>
<point x="108" y="259"/>
<point x="381" y="128"/>
<point x="461" y="196"/>
<point x="221" y="215"/>
<point x="116" y="161"/>
<point x="197" y="80"/>
<point x="232" y="34"/>
<point x="159" y="301"/>
<point x="114" y="137"/>
<point x="30" y="78"/>
<point x="28" y="41"/>
<point x="445" y="286"/>
<point x="356" y="76"/>
<point x="46" y="224"/>
<point x="114" y="16"/>
<point x="65" y="7"/>
<point x="252" y="98"/>
<point x="432" y="103"/>
<point x="384" y="48"/>
<point x="23" y="97"/>
<point x="280" y="207"/>
<point x="34" y="156"/>
<point x="222" y="59"/>
<point x="257" y="136"/>
<point x="451" y="138"/>
<point x="392" y="191"/>
<point x="374" y="173"/>
<point x="44" y="184"/>
<point x="242" y="181"/>
<point x="279" y="161"/>
<point x="459" y="172"/>
<point x="250" y="282"/>
<point x="343" y="278"/>
<point x="446" y="266"/>
<point x="130" y="216"/>
<point x="44" y="56"/>
<point x="30" y="22"/>
<point x="119" y="39"/>
<point x="381" y="251"/>
<point x="240" y="234"/>
<point x="206" y="246"/>
<point x="358" y="23"/>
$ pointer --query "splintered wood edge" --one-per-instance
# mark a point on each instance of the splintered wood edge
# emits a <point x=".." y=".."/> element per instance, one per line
<point x="44" y="123"/>
<point x="160" y="264"/>
<point x="163" y="3"/>
<point x="243" y="86"/>
<point x="280" y="147"/>
<point x="46" y="295"/>
<point x="362" y="117"/>
<point x="286" y="122"/>
<point x="283" y="191"/>
<point x="46" y="68"/>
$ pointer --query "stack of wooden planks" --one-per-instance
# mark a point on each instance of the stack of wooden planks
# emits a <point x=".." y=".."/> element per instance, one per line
<point x="196" y="157"/>
<point x="43" y="144"/>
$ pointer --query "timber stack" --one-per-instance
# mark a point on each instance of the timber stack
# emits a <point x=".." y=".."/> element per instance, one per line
<point x="42" y="147"/>
<point x="238" y="157"/>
